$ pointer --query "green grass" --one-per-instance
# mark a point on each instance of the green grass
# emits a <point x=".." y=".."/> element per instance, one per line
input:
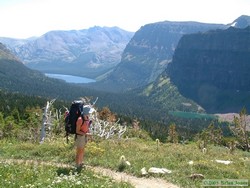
<point x="41" y="175"/>
<point x="30" y="175"/>
<point x="174" y="157"/>
<point x="140" y="153"/>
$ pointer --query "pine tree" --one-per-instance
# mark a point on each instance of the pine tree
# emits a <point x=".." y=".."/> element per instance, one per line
<point x="172" y="134"/>
<point x="241" y="131"/>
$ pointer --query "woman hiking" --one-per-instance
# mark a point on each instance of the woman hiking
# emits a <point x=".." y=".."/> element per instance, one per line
<point x="82" y="134"/>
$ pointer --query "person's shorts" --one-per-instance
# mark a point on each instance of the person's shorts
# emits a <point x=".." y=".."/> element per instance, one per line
<point x="81" y="141"/>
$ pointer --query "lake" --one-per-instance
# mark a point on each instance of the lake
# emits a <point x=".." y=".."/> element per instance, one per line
<point x="70" y="78"/>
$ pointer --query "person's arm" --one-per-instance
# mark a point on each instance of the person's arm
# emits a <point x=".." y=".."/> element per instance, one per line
<point x="86" y="125"/>
<point x="79" y="123"/>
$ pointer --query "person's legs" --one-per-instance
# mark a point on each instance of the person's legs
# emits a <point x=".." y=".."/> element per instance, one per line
<point x="79" y="156"/>
<point x="80" y="143"/>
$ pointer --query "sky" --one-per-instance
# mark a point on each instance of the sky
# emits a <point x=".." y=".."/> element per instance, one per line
<point x="27" y="18"/>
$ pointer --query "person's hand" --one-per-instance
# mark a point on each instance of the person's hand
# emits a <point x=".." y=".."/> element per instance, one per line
<point x="90" y="137"/>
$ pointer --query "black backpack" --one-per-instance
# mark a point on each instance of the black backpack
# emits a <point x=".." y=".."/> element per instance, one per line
<point x="71" y="117"/>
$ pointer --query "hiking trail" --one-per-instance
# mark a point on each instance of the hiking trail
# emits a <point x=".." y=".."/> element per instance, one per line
<point x="117" y="176"/>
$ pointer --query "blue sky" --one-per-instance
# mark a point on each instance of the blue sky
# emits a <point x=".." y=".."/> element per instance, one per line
<point x="27" y="18"/>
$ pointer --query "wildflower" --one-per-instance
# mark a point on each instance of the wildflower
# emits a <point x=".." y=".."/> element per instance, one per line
<point x="78" y="183"/>
<point x="123" y="163"/>
<point x="157" y="143"/>
<point x="204" y="150"/>
<point x="191" y="162"/>
<point x="122" y="158"/>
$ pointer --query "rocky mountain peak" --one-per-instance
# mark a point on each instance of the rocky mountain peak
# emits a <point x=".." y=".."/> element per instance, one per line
<point x="241" y="22"/>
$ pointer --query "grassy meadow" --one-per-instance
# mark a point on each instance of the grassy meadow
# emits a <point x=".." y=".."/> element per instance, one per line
<point x="182" y="159"/>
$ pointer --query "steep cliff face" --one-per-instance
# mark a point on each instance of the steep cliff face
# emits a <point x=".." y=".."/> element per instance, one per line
<point x="148" y="53"/>
<point x="213" y="68"/>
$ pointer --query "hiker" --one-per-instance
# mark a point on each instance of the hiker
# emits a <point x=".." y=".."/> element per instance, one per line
<point x="82" y="134"/>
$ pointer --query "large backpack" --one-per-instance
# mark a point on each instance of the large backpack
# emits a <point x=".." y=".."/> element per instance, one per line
<point x="75" y="111"/>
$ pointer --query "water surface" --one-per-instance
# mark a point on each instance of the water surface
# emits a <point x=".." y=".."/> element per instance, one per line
<point x="70" y="78"/>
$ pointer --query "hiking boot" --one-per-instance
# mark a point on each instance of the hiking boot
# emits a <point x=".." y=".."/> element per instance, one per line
<point x="80" y="167"/>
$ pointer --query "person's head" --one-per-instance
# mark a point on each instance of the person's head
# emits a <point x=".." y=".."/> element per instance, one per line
<point x="87" y="110"/>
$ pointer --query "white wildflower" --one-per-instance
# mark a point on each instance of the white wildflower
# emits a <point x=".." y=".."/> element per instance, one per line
<point x="122" y="158"/>
<point x="78" y="183"/>
<point x="191" y="162"/>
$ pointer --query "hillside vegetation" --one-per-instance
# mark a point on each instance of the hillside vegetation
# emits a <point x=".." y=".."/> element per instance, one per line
<point x="183" y="154"/>
<point x="21" y="106"/>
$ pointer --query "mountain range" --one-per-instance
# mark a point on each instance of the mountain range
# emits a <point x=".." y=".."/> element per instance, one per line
<point x="150" y="51"/>
<point x="88" y="52"/>
<point x="148" y="54"/>
<point x="144" y="76"/>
